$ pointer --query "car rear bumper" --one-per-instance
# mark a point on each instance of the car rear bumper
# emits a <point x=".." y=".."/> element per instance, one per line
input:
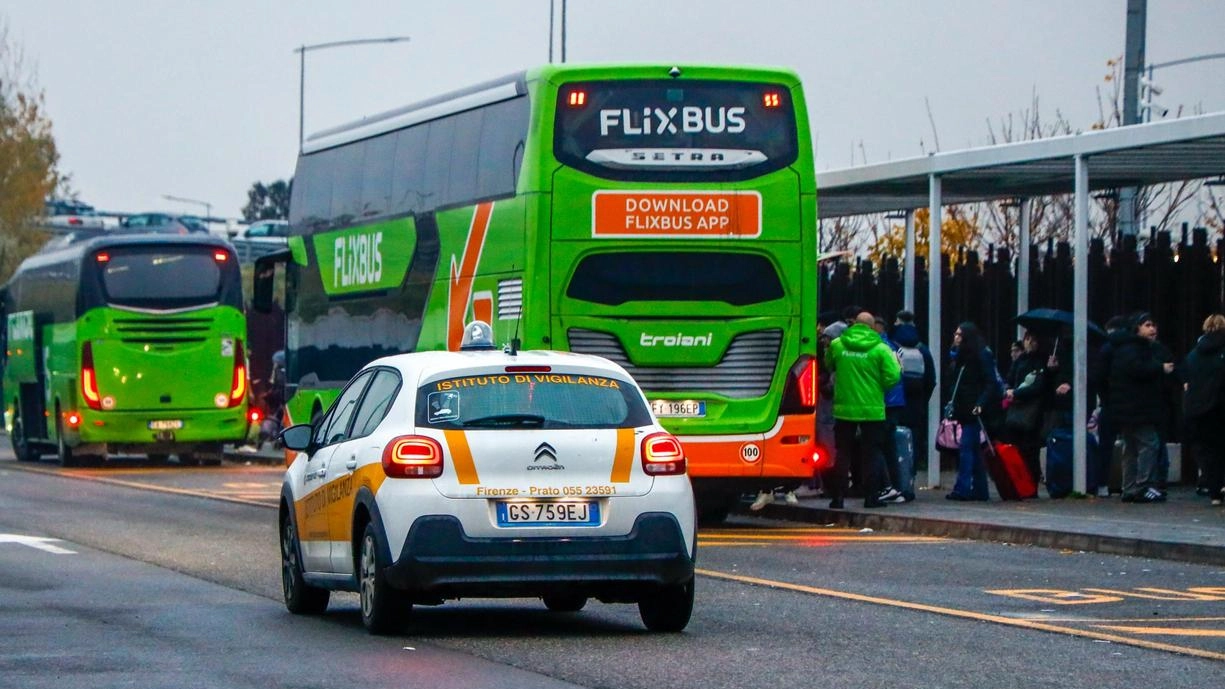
<point x="439" y="559"/>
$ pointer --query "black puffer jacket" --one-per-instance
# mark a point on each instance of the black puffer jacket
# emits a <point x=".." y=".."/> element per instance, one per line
<point x="1203" y="371"/>
<point x="1136" y="381"/>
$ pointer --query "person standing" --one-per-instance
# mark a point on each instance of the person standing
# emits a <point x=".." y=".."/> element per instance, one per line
<point x="1203" y="373"/>
<point x="1025" y="395"/>
<point x="918" y="381"/>
<point x="895" y="405"/>
<point x="865" y="368"/>
<point x="974" y="387"/>
<point x="1099" y="380"/>
<point x="1135" y="405"/>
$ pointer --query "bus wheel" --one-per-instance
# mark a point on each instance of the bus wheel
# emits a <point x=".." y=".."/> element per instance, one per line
<point x="21" y="444"/>
<point x="63" y="453"/>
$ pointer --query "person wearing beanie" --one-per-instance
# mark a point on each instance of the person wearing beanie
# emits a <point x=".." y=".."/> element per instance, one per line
<point x="1136" y="377"/>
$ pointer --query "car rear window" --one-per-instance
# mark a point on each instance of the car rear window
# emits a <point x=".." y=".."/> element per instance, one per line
<point x="530" y="400"/>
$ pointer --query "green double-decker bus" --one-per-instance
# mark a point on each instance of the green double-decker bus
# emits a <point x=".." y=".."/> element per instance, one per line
<point x="661" y="216"/>
<point x="126" y="345"/>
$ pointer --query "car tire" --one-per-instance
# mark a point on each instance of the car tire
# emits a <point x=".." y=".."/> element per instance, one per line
<point x="24" y="451"/>
<point x="300" y="597"/>
<point x="384" y="609"/>
<point x="667" y="609"/>
<point x="564" y="602"/>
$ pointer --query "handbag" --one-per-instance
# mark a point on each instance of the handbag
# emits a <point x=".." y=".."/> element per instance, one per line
<point x="948" y="433"/>
<point x="1023" y="417"/>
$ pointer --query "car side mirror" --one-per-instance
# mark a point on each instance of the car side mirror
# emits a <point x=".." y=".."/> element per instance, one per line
<point x="298" y="437"/>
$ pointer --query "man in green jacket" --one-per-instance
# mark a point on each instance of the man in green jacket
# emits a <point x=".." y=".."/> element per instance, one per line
<point x="864" y="368"/>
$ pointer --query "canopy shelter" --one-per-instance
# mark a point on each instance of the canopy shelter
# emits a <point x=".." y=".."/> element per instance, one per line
<point x="1132" y="156"/>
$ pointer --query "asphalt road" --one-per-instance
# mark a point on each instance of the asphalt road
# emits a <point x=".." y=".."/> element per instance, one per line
<point x="166" y="588"/>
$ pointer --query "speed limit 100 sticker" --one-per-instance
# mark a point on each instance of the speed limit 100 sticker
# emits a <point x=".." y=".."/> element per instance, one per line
<point x="750" y="452"/>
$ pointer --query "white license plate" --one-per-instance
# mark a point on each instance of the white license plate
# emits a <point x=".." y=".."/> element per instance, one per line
<point x="690" y="408"/>
<point x="166" y="425"/>
<point x="545" y="513"/>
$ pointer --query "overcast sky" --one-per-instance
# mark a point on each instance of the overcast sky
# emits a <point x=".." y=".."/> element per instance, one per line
<point x="200" y="99"/>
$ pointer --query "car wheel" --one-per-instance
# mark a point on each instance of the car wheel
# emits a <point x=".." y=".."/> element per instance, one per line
<point x="62" y="451"/>
<point x="668" y="609"/>
<point x="564" y="602"/>
<point x="21" y="444"/>
<point x="300" y="597"/>
<point x="384" y="609"/>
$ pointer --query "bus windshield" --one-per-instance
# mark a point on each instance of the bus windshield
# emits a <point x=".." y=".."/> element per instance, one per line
<point x="162" y="277"/>
<point x="673" y="131"/>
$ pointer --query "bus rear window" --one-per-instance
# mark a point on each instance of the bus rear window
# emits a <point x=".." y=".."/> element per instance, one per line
<point x="162" y="277"/>
<point x="738" y="279"/>
<point x="553" y="400"/>
<point x="675" y="130"/>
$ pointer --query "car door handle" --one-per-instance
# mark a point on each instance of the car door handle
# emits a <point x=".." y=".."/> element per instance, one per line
<point x="352" y="463"/>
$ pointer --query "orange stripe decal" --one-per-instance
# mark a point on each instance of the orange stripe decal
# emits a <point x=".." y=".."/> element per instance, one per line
<point x="461" y="457"/>
<point x="623" y="461"/>
<point x="460" y="292"/>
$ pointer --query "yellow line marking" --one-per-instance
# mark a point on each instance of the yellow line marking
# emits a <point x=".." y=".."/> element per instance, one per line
<point x="964" y="614"/>
<point x="1165" y="631"/>
<point x="823" y="537"/>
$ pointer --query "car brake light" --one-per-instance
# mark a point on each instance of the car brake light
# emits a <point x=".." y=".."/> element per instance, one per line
<point x="412" y="456"/>
<point x="89" y="379"/>
<point x="238" y="383"/>
<point x="528" y="369"/>
<point x="662" y="455"/>
<point x="221" y="256"/>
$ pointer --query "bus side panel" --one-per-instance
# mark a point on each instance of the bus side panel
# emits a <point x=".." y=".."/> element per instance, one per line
<point x="482" y="263"/>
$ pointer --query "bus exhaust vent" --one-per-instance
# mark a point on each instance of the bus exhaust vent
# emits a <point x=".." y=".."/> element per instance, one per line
<point x="745" y="372"/>
<point x="510" y="299"/>
<point x="163" y="331"/>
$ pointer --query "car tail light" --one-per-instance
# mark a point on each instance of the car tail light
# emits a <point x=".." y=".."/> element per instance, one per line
<point x="412" y="456"/>
<point x="800" y="393"/>
<point x="238" y="383"/>
<point x="662" y="455"/>
<point x="89" y="378"/>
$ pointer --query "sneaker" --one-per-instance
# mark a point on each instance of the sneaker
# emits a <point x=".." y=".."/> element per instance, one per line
<point x="1103" y="492"/>
<point x="764" y="498"/>
<point x="890" y="494"/>
<point x="1151" y="495"/>
<point x="790" y="498"/>
<point x="1216" y="502"/>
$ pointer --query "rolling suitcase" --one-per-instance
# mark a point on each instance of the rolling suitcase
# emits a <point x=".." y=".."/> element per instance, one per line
<point x="904" y="441"/>
<point x="1059" y="463"/>
<point x="1008" y="472"/>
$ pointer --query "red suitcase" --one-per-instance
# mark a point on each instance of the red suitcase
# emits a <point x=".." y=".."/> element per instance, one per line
<point x="1009" y="473"/>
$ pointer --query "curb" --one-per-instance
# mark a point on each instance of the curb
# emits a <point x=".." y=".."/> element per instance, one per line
<point x="1043" y="538"/>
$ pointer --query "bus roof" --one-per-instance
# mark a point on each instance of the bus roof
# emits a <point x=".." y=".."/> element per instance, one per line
<point x="74" y="252"/>
<point x="514" y="85"/>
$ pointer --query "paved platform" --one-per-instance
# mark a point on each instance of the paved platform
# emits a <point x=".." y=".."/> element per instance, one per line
<point x="1185" y="527"/>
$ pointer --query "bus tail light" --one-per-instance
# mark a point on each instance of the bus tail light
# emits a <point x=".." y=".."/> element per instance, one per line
<point x="73" y="419"/>
<point x="89" y="378"/>
<point x="662" y="455"/>
<point x="238" y="383"/>
<point x="255" y="415"/>
<point x="800" y="393"/>
<point x="412" y="456"/>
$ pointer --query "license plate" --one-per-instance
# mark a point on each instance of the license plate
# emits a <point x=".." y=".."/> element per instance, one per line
<point x="166" y="425"/>
<point x="678" y="407"/>
<point x="548" y="513"/>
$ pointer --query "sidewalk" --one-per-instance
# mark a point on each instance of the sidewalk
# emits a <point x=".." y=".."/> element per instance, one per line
<point x="1185" y="528"/>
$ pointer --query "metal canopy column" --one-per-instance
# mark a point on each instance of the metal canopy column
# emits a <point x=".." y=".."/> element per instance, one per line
<point x="1023" y="258"/>
<point x="934" y="273"/>
<point x="908" y="295"/>
<point x="1080" y="328"/>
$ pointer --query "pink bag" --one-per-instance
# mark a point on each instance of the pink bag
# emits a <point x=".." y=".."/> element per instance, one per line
<point x="948" y="435"/>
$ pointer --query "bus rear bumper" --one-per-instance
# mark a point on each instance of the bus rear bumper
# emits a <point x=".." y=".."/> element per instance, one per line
<point x="162" y="432"/>
<point x="788" y="451"/>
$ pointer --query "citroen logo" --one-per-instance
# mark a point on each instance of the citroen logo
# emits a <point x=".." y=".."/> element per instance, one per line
<point x="545" y="451"/>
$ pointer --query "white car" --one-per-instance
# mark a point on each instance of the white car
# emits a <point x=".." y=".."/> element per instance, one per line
<point x="269" y="231"/>
<point x="487" y="473"/>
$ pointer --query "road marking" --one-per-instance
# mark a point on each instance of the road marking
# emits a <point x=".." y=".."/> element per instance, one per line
<point x="807" y="537"/>
<point x="271" y="501"/>
<point x="37" y="542"/>
<point x="965" y="614"/>
<point x="1164" y="631"/>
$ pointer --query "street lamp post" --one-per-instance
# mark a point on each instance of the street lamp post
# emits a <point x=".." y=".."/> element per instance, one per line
<point x="301" y="51"/>
<point x="208" y="207"/>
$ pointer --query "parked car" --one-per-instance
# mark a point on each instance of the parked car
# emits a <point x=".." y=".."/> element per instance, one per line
<point x="488" y="473"/>
<point x="75" y="236"/>
<point x="68" y="214"/>
<point x="163" y="223"/>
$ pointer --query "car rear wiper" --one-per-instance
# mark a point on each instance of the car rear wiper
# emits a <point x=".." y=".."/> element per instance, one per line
<point x="529" y="420"/>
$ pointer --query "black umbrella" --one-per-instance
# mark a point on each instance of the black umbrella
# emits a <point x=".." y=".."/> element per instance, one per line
<point x="1053" y="322"/>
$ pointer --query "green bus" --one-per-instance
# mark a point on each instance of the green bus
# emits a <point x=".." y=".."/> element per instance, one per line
<point x="130" y="344"/>
<point x="663" y="217"/>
